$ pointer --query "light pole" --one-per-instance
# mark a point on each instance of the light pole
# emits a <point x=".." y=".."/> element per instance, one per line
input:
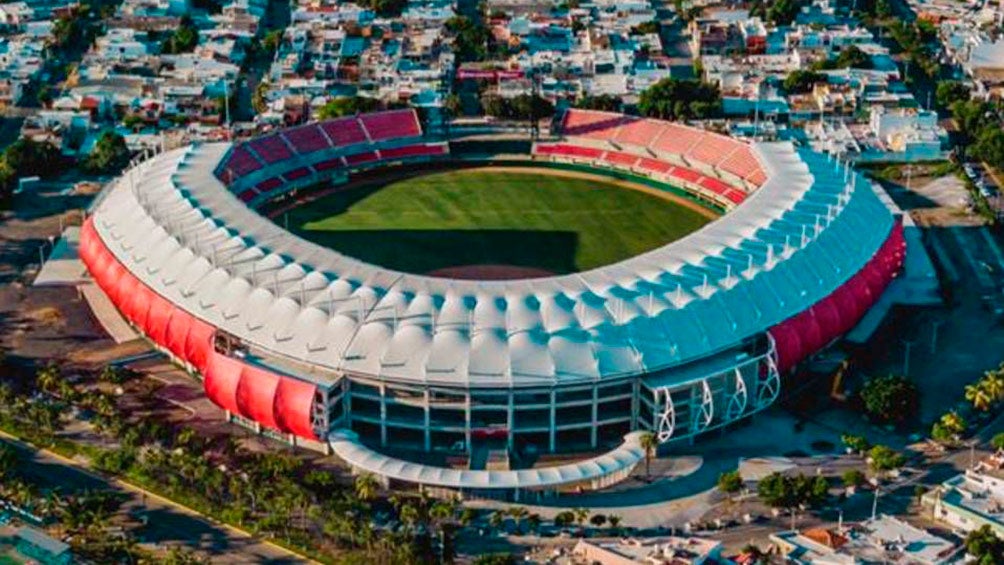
<point x="906" y="357"/>
<point x="935" y="326"/>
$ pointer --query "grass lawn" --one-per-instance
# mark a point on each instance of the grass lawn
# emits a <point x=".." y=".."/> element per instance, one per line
<point x="447" y="219"/>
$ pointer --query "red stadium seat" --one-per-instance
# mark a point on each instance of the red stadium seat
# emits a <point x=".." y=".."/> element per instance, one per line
<point x="344" y="131"/>
<point x="306" y="139"/>
<point x="394" y="124"/>
<point x="638" y="132"/>
<point x="360" y="158"/>
<point x="623" y="160"/>
<point x="591" y="124"/>
<point x="654" y="165"/>
<point x="271" y="148"/>
<point x="297" y="173"/>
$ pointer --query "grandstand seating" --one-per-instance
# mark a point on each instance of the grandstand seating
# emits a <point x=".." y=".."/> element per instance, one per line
<point x="239" y="163"/>
<point x="344" y="131"/>
<point x="360" y="158"/>
<point x="306" y="139"/>
<point x="720" y="188"/>
<point x="411" y="151"/>
<point x="713" y="149"/>
<point x="565" y="150"/>
<point x="588" y="123"/>
<point x="271" y="148"/>
<point x="677" y="139"/>
<point x="654" y="165"/>
<point x="741" y="162"/>
<point x="327" y="165"/>
<point x="757" y="177"/>
<point x="297" y="173"/>
<point x="391" y="125"/>
<point x="268" y="185"/>
<point x="639" y="132"/>
<point x="686" y="175"/>
<point x="248" y="195"/>
<point x="620" y="159"/>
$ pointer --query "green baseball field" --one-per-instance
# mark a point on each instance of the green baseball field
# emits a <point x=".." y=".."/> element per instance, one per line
<point x="532" y="222"/>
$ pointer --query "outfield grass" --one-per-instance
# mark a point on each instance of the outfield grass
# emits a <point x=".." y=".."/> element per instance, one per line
<point x="478" y="217"/>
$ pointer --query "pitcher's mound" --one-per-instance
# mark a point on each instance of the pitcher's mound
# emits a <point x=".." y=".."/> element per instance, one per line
<point x="490" y="272"/>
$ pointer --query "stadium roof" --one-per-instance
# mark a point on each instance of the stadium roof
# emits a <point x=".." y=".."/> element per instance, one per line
<point x="178" y="229"/>
<point x="624" y="458"/>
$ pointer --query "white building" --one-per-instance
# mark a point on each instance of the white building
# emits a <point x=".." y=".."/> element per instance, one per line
<point x="669" y="550"/>
<point x="973" y="499"/>
<point x="884" y="539"/>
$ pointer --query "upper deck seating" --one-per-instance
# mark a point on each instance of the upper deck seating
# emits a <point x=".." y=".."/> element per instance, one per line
<point x="306" y="139"/>
<point x="713" y="148"/>
<point x="677" y="139"/>
<point x="639" y="132"/>
<point x="757" y="177"/>
<point x="239" y="163"/>
<point x="344" y="131"/>
<point x="391" y="125"/>
<point x="741" y="163"/>
<point x="268" y="185"/>
<point x="592" y="124"/>
<point x="271" y="148"/>
<point x="328" y="164"/>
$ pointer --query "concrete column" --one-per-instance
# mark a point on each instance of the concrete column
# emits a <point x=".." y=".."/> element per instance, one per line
<point x="428" y="432"/>
<point x="635" y="408"/>
<point x="596" y="416"/>
<point x="383" y="415"/>
<point x="694" y="405"/>
<point x="510" y="420"/>
<point x="467" y="419"/>
<point x="551" y="431"/>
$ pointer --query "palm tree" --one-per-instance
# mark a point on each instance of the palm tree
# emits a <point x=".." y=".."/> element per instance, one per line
<point x="614" y="521"/>
<point x="367" y="486"/>
<point x="48" y="378"/>
<point x="649" y="442"/>
<point x="409" y="515"/>
<point x="442" y="514"/>
<point x="978" y="396"/>
<point x="533" y="522"/>
<point x="518" y="513"/>
<point x="993" y="384"/>
<point x="496" y="519"/>
<point x="581" y="514"/>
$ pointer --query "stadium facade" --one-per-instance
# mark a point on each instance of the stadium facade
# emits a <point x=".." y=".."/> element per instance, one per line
<point x="313" y="347"/>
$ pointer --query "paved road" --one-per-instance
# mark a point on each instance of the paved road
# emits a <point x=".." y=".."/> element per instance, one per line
<point x="168" y="524"/>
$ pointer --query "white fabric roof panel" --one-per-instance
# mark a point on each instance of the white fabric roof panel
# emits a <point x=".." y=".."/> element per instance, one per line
<point x="791" y="243"/>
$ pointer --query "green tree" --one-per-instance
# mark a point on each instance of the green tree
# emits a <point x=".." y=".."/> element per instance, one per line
<point x="470" y="39"/>
<point x="883" y="458"/>
<point x="674" y="99"/>
<point x="853" y="478"/>
<point x="598" y="520"/>
<point x="949" y="427"/>
<point x="604" y="102"/>
<point x="346" y="106"/>
<point x="650" y="443"/>
<point x="495" y="559"/>
<point x="998" y="441"/>
<point x="366" y="487"/>
<point x="184" y="39"/>
<point x="854" y="58"/>
<point x="109" y="155"/>
<point x="890" y="399"/>
<point x="777" y="12"/>
<point x="564" y="519"/>
<point x="857" y="444"/>
<point x="985" y="546"/>
<point x="801" y="81"/>
<point x="989" y="146"/>
<point x="949" y="92"/>
<point x="730" y="482"/>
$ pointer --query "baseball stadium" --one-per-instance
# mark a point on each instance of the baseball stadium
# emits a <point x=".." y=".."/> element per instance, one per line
<point x="486" y="315"/>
